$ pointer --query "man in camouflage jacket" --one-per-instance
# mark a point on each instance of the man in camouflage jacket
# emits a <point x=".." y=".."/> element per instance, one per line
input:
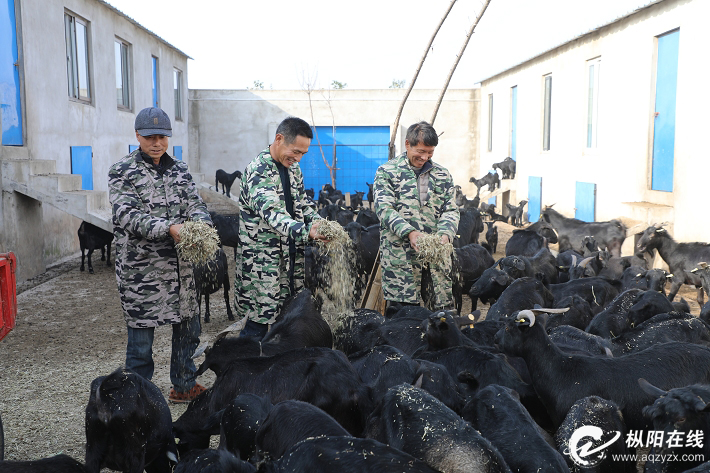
<point x="151" y="196"/>
<point x="274" y="225"/>
<point x="413" y="196"/>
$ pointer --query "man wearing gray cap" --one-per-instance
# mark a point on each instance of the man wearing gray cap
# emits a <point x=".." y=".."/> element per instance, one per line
<point x="152" y="195"/>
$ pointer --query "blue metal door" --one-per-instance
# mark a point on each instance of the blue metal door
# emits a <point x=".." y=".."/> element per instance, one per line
<point x="360" y="150"/>
<point x="10" y="104"/>
<point x="81" y="164"/>
<point x="534" y="198"/>
<point x="493" y="200"/>
<point x="514" y="123"/>
<point x="664" y="120"/>
<point x="132" y="148"/>
<point x="585" y="201"/>
<point x="177" y="152"/>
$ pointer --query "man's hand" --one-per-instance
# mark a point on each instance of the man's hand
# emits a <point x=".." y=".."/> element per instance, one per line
<point x="174" y="232"/>
<point x="413" y="237"/>
<point x="445" y="239"/>
<point x="314" y="235"/>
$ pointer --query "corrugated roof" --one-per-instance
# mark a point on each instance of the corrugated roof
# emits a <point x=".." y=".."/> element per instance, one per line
<point x="142" y="27"/>
<point x="593" y="30"/>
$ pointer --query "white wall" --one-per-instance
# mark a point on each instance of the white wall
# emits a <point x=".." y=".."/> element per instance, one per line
<point x="230" y="127"/>
<point x="37" y="232"/>
<point x="53" y="122"/>
<point x="621" y="163"/>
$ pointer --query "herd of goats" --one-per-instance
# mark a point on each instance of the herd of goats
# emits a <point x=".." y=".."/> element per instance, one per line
<point x="584" y="362"/>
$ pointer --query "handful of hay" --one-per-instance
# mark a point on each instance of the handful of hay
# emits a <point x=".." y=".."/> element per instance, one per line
<point x="198" y="242"/>
<point x="335" y="233"/>
<point x="339" y="271"/>
<point x="432" y="251"/>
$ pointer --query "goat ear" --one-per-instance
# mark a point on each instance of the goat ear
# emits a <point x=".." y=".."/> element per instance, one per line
<point x="468" y="378"/>
<point x="650" y="389"/>
<point x="501" y="278"/>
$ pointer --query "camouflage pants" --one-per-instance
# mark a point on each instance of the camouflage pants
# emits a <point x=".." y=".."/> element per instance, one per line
<point x="402" y="280"/>
<point x="261" y="283"/>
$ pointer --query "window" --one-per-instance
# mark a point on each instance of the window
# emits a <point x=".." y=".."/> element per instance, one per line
<point x="490" y="122"/>
<point x="123" y="87"/>
<point x="547" y="113"/>
<point x="77" y="44"/>
<point x="156" y="97"/>
<point x="592" y="101"/>
<point x="177" y="86"/>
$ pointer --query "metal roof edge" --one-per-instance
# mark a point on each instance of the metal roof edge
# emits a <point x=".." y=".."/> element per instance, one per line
<point x="116" y="10"/>
<point x="587" y="33"/>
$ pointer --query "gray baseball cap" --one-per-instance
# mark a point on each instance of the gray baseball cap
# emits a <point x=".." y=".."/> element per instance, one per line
<point x="153" y="121"/>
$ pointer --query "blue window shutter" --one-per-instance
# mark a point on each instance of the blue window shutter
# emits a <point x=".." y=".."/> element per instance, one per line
<point x="81" y="164"/>
<point x="177" y="152"/>
<point x="132" y="148"/>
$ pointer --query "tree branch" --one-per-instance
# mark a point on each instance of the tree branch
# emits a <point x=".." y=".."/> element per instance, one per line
<point x="414" y="79"/>
<point x="456" y="62"/>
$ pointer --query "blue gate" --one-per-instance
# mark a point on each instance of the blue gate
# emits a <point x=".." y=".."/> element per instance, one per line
<point x="585" y="201"/>
<point x="10" y="103"/>
<point x="534" y="198"/>
<point x="360" y="150"/>
<point x="81" y="164"/>
<point x="664" y="120"/>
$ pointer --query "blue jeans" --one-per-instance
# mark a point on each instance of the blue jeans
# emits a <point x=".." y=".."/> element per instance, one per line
<point x="186" y="338"/>
<point x="254" y="329"/>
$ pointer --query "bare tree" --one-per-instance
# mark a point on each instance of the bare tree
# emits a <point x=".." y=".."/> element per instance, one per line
<point x="458" y="58"/>
<point x="308" y="84"/>
<point x="414" y="79"/>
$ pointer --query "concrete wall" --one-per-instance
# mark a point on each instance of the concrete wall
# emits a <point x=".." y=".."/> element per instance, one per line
<point x="620" y="165"/>
<point x="37" y="232"/>
<point x="230" y="127"/>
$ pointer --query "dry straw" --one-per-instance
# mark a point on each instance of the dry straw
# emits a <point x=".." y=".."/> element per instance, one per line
<point x="339" y="287"/>
<point x="198" y="242"/>
<point x="432" y="251"/>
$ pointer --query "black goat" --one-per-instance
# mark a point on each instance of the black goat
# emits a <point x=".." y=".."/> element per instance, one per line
<point x="492" y="235"/>
<point x="515" y="213"/>
<point x="571" y="231"/>
<point x="209" y="278"/>
<point x="681" y="258"/>
<point x="683" y="411"/>
<point x="92" y="238"/>
<point x="561" y="379"/>
<point x="226" y="179"/>
<point x="227" y="227"/>
<point x="507" y="168"/>
<point x="491" y="180"/>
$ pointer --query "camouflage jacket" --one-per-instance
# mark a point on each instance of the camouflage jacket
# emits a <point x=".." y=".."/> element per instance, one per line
<point x="264" y="231"/>
<point x="155" y="287"/>
<point x="400" y="212"/>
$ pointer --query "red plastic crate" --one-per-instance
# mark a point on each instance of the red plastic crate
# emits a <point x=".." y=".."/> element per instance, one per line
<point x="8" y="293"/>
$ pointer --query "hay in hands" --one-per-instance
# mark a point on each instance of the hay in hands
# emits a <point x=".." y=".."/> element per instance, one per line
<point x="432" y="251"/>
<point x="334" y="233"/>
<point x="338" y="273"/>
<point x="198" y="242"/>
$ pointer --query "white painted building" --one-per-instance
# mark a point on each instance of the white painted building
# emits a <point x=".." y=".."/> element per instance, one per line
<point x="73" y="75"/>
<point x="612" y="123"/>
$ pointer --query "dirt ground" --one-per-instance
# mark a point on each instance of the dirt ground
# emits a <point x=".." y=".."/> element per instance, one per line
<point x="70" y="330"/>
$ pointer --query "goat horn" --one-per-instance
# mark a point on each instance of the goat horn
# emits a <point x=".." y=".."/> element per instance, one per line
<point x="586" y="261"/>
<point x="200" y="350"/>
<point x="561" y="310"/>
<point x="526" y="315"/>
<point x="650" y="389"/>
